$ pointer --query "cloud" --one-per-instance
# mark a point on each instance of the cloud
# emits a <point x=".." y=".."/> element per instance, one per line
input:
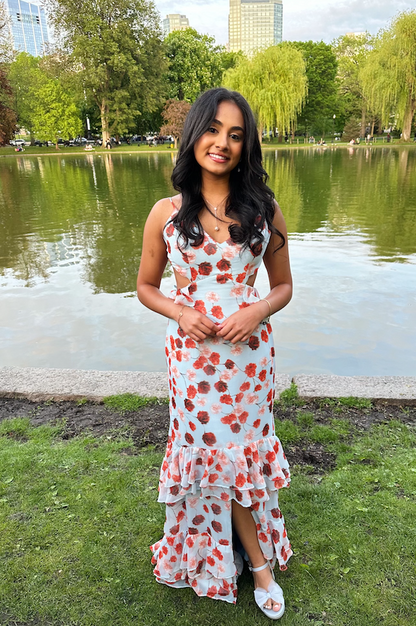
<point x="331" y="20"/>
<point x="302" y="19"/>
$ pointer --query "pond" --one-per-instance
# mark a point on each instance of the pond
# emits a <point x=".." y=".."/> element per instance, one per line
<point x="70" y="242"/>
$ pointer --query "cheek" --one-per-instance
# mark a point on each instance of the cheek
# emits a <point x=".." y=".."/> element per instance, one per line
<point x="198" y="148"/>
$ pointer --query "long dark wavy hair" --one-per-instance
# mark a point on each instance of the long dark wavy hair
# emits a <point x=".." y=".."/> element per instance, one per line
<point x="250" y="200"/>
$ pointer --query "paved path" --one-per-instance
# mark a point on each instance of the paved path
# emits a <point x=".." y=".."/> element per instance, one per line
<point x="63" y="384"/>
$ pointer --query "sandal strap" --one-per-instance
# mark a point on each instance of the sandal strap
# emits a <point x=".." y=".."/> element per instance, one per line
<point x="259" y="569"/>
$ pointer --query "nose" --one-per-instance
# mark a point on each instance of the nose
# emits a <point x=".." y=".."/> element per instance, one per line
<point x="222" y="141"/>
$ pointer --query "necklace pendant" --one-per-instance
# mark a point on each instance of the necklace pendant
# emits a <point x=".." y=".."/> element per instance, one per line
<point x="216" y="228"/>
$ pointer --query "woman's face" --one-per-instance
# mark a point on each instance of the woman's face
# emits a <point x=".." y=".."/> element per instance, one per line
<point x="218" y="151"/>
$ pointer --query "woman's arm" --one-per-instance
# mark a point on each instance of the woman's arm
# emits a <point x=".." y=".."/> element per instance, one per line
<point x="278" y="267"/>
<point x="152" y="265"/>
<point x="240" y="325"/>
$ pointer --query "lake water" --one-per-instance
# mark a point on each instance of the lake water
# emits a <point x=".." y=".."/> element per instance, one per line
<point x="70" y="243"/>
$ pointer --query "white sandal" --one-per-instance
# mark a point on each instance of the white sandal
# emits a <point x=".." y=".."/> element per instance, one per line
<point x="274" y="592"/>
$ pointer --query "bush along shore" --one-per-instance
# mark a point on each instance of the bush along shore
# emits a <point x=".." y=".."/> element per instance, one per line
<point x="78" y="510"/>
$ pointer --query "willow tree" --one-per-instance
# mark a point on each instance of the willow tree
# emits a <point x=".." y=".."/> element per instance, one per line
<point x="275" y="84"/>
<point x="389" y="74"/>
<point x="351" y="52"/>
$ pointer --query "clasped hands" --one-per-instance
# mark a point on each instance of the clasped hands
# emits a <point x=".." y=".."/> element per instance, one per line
<point x="237" y="327"/>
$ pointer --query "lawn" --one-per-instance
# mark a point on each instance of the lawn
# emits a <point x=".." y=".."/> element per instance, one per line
<point x="77" y="516"/>
<point x="133" y="148"/>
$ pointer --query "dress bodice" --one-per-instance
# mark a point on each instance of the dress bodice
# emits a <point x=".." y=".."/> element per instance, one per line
<point x="220" y="262"/>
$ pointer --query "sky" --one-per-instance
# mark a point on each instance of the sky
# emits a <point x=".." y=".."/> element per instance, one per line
<point x="302" y="19"/>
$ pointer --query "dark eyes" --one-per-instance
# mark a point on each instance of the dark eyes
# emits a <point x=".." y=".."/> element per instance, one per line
<point x="233" y="136"/>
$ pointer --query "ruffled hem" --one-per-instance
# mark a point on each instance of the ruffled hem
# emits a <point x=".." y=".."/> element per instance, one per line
<point x="246" y="474"/>
<point x="208" y="567"/>
<point x="196" y="561"/>
<point x="185" y="556"/>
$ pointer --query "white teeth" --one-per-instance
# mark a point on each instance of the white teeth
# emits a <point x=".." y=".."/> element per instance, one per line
<point x="217" y="157"/>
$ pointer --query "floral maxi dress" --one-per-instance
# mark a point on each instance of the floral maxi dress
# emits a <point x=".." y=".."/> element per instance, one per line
<point x="222" y="444"/>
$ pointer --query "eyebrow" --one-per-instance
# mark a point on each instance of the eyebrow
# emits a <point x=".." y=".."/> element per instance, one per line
<point x="232" y="128"/>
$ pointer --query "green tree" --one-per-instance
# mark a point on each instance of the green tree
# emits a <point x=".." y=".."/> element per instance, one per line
<point x="25" y="76"/>
<point x="116" y="49"/>
<point x="55" y="115"/>
<point x="274" y="83"/>
<point x="195" y="64"/>
<point x="351" y="52"/>
<point x="389" y="74"/>
<point x="321" y="71"/>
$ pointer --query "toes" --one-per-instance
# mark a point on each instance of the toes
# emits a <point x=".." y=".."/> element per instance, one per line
<point x="276" y="606"/>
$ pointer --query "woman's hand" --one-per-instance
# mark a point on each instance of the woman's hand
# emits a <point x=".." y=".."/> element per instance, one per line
<point x="241" y="325"/>
<point x="195" y="324"/>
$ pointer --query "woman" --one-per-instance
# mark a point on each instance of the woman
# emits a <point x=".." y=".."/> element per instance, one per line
<point x="223" y="465"/>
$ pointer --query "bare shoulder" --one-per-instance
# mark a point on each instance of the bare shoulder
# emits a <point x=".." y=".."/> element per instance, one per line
<point x="161" y="211"/>
<point x="277" y="209"/>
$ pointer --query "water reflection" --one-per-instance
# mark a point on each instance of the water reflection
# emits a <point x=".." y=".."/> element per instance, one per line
<point x="370" y="191"/>
<point x="71" y="229"/>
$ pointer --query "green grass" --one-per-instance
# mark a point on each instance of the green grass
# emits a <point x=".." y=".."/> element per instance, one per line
<point x="130" y="402"/>
<point x="28" y="150"/>
<point x="350" y="403"/>
<point x="134" y="148"/>
<point x="289" y="397"/>
<point x="77" y="517"/>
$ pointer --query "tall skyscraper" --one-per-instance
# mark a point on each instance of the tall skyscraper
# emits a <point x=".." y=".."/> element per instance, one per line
<point x="28" y="26"/>
<point x="254" y="24"/>
<point x="174" y="21"/>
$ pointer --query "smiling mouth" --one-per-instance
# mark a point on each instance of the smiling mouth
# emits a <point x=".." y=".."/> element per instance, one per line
<point x="218" y="158"/>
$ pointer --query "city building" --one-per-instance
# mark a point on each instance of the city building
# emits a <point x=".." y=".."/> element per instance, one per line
<point x="174" y="21"/>
<point x="254" y="25"/>
<point x="28" y="26"/>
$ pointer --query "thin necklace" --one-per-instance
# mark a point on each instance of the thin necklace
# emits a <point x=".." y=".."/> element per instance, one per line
<point x="215" y="209"/>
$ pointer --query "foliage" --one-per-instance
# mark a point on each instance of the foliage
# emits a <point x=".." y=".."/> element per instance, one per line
<point x="7" y="115"/>
<point x="54" y="113"/>
<point x="116" y="50"/>
<point x="389" y="77"/>
<point x="351" y="52"/>
<point x="25" y="78"/>
<point x="195" y="64"/>
<point x="274" y="83"/>
<point x="352" y="129"/>
<point x="174" y="115"/>
<point x="321" y="70"/>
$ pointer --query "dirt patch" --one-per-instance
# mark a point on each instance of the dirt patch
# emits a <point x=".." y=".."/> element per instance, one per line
<point x="311" y="455"/>
<point x="149" y="425"/>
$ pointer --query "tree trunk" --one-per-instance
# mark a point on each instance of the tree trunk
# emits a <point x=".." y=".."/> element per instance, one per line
<point x="363" y="119"/>
<point x="408" y="119"/>
<point x="104" y="120"/>
<point x="176" y="142"/>
<point x="373" y="123"/>
<point x="260" y="131"/>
